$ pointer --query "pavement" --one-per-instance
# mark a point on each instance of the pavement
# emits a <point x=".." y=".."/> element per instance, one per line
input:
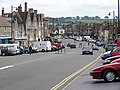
<point x="85" y="82"/>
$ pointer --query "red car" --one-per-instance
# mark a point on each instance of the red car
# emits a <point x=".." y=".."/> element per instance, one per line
<point x="115" y="51"/>
<point x="108" y="72"/>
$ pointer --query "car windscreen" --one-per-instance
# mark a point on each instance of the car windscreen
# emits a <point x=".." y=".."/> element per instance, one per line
<point x="87" y="48"/>
<point x="116" y="50"/>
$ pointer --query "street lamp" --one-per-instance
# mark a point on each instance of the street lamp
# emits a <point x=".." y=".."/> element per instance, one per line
<point x="113" y="32"/>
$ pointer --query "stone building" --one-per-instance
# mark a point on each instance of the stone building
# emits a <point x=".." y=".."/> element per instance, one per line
<point x="27" y="26"/>
<point x="5" y="27"/>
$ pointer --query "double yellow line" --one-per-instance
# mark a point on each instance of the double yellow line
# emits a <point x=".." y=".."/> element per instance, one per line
<point x="64" y="81"/>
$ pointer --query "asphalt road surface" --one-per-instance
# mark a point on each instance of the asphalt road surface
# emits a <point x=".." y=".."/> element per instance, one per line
<point x="41" y="71"/>
<point x="85" y="82"/>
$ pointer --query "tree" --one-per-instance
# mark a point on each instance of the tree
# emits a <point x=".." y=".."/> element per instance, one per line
<point x="97" y="17"/>
<point x="106" y="17"/>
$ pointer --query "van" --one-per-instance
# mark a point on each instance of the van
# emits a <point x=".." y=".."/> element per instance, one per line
<point x="42" y="45"/>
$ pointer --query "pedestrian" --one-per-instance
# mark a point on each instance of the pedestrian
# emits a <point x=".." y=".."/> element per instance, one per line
<point x="80" y="44"/>
<point x="88" y="43"/>
<point x="64" y="49"/>
<point x="61" y="49"/>
<point x="30" y="49"/>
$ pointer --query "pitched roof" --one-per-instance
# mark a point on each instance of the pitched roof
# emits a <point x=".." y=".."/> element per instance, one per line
<point x="4" y="22"/>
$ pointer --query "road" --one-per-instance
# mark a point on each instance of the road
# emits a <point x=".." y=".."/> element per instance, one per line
<point x="85" y="82"/>
<point x="41" y="71"/>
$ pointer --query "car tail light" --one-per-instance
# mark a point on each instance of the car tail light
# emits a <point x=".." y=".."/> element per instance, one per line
<point x="9" y="50"/>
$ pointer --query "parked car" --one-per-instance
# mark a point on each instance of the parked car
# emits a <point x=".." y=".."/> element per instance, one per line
<point x="108" y="72"/>
<point x="21" y="49"/>
<point x="14" y="48"/>
<point x="110" y="59"/>
<point x="87" y="50"/>
<point x="6" y="51"/>
<point x="115" y="51"/>
<point x="54" y="48"/>
<point x="106" y="55"/>
<point x="26" y="50"/>
<point x="109" y="47"/>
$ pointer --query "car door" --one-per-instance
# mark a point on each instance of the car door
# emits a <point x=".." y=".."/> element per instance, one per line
<point x="118" y="69"/>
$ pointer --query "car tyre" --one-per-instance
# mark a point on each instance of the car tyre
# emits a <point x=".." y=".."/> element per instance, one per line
<point x="109" y="76"/>
<point x="92" y="53"/>
<point x="3" y="54"/>
<point x="26" y="52"/>
<point x="82" y="53"/>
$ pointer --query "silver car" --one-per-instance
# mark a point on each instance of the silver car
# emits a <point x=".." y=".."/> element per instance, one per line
<point x="87" y="50"/>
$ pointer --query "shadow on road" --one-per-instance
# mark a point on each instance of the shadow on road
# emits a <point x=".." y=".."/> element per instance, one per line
<point x="102" y="81"/>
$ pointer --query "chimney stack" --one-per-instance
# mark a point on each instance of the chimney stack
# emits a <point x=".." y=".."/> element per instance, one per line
<point x="19" y="8"/>
<point x="2" y="12"/>
<point x="25" y="6"/>
<point x="35" y="11"/>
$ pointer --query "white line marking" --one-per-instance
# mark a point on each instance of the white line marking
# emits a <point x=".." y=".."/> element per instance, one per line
<point x="6" y="67"/>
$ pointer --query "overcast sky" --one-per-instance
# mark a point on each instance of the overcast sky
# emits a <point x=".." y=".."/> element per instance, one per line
<point x="66" y="8"/>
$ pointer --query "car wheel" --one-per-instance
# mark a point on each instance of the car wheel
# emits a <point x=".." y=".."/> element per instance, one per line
<point x="43" y="50"/>
<point x="3" y="54"/>
<point x="82" y="53"/>
<point x="109" y="76"/>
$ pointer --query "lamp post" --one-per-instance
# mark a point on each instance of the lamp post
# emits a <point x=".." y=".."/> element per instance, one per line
<point x="113" y="31"/>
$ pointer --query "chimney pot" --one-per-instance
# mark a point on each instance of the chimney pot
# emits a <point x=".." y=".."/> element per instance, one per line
<point x="2" y="11"/>
<point x="25" y="6"/>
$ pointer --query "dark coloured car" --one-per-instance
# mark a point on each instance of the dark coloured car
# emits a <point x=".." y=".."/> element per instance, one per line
<point x="26" y="50"/>
<point x="110" y="47"/>
<point x="108" y="72"/>
<point x="87" y="50"/>
<point x="73" y="46"/>
<point x="6" y="51"/>
<point x="110" y="59"/>
<point x="69" y="44"/>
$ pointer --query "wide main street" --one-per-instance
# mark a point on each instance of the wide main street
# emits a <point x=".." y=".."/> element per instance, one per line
<point x="41" y="71"/>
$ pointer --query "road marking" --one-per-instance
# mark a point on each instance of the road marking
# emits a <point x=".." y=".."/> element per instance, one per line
<point x="64" y="81"/>
<point x="6" y="67"/>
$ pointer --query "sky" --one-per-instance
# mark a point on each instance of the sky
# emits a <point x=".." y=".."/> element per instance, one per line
<point x="66" y="8"/>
